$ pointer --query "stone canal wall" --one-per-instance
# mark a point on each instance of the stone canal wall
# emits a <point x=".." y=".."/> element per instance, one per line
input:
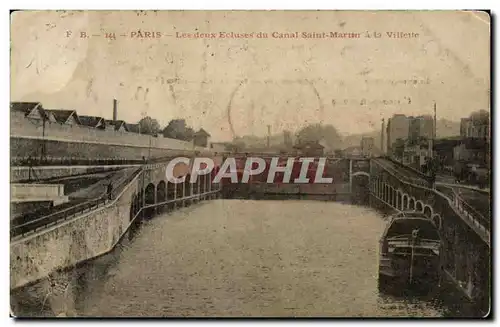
<point x="65" y="245"/>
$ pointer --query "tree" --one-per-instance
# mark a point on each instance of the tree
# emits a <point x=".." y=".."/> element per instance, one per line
<point x="177" y="129"/>
<point x="318" y="132"/>
<point x="149" y="125"/>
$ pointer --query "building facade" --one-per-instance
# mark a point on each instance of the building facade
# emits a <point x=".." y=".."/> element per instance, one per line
<point x="420" y="127"/>
<point x="367" y="146"/>
<point x="397" y="128"/>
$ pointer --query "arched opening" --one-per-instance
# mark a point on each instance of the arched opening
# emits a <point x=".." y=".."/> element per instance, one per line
<point x="171" y="195"/>
<point x="436" y="219"/>
<point x="360" y="189"/>
<point x="214" y="173"/>
<point x="203" y="184"/>
<point x="411" y="205"/>
<point x="404" y="205"/>
<point x="161" y="195"/>
<point x="179" y="191"/>
<point x="208" y="181"/>
<point x="419" y="206"/>
<point x="187" y="189"/>
<point x="398" y="200"/>
<point x="196" y="186"/>
<point x="139" y="202"/>
<point x="149" y="199"/>
<point x="428" y="211"/>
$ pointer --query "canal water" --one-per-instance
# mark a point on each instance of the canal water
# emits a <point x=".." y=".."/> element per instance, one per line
<point x="238" y="258"/>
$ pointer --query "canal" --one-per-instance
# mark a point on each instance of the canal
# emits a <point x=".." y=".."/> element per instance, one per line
<point x="238" y="258"/>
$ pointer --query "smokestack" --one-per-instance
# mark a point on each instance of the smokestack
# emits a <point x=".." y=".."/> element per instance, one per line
<point x="382" y="136"/>
<point x="115" y="110"/>
<point x="268" y="136"/>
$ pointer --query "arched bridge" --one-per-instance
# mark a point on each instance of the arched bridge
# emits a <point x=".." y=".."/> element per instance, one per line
<point x="92" y="229"/>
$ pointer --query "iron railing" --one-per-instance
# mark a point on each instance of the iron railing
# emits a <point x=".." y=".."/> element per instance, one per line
<point x="454" y="199"/>
<point x="59" y="216"/>
<point x="402" y="176"/>
<point x="91" y="205"/>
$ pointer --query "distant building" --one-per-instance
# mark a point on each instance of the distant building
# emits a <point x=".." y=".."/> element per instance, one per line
<point x="32" y="110"/>
<point x="397" y="128"/>
<point x="201" y="138"/>
<point x="93" y="121"/>
<point x="367" y="146"/>
<point x="353" y="151"/>
<point x="133" y="128"/>
<point x="470" y="128"/>
<point x="472" y="151"/>
<point x="117" y="125"/>
<point x="444" y="150"/>
<point x="219" y="146"/>
<point x="475" y="133"/>
<point x="309" y="149"/>
<point x="415" y="154"/>
<point x="420" y="127"/>
<point x="66" y="117"/>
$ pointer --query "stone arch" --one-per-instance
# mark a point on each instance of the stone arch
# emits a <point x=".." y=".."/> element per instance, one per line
<point x="399" y="200"/>
<point x="359" y="187"/>
<point x="361" y="173"/>
<point x="149" y="198"/>
<point x="140" y="200"/>
<point x="171" y="194"/>
<point x="196" y="185"/>
<point x="203" y="184"/>
<point x="179" y="190"/>
<point x="208" y="180"/>
<point x="411" y="204"/>
<point x="404" y="204"/>
<point x="187" y="185"/>
<point x="436" y="219"/>
<point x="428" y="212"/>
<point x="161" y="194"/>
<point x="187" y="189"/>
<point x="419" y="206"/>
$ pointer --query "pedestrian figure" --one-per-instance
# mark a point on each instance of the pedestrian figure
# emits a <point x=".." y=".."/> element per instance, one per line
<point x="109" y="190"/>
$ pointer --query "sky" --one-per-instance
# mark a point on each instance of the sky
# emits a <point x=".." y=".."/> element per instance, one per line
<point x="238" y="86"/>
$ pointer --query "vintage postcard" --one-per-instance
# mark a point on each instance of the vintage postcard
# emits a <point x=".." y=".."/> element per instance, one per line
<point x="250" y="164"/>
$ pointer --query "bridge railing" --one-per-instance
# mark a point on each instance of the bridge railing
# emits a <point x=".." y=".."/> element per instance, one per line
<point x="480" y="223"/>
<point x="466" y="209"/>
<point x="402" y="176"/>
<point x="61" y="215"/>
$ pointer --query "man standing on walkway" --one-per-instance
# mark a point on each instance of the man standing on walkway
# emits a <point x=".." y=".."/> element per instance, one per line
<point x="109" y="190"/>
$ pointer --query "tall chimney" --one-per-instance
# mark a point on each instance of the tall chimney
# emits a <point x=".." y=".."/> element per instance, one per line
<point x="115" y="110"/>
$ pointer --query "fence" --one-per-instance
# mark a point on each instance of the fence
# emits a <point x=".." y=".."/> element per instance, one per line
<point x="48" y="220"/>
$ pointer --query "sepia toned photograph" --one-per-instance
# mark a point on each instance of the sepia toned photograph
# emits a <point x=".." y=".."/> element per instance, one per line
<point x="248" y="164"/>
